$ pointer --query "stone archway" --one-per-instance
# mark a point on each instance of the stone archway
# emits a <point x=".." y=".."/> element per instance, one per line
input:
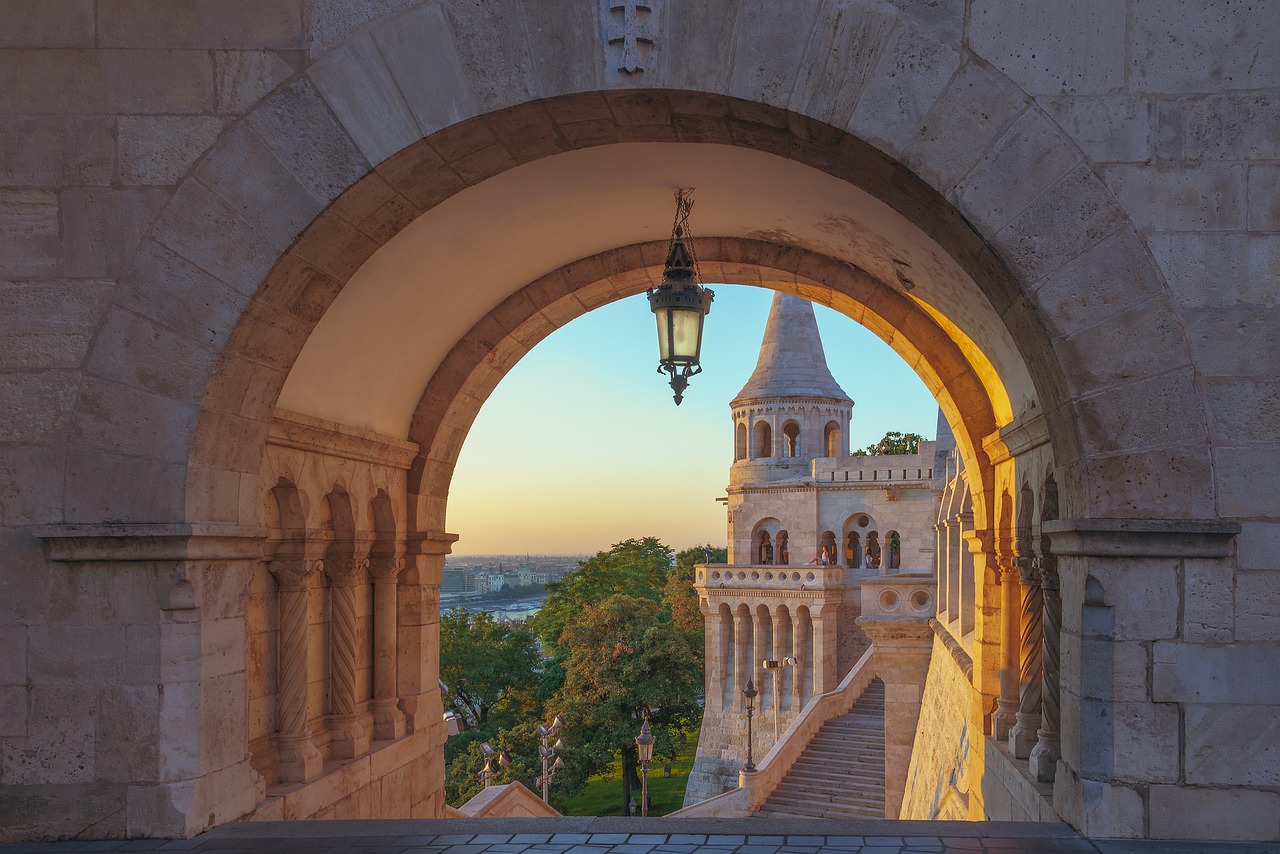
<point x="326" y="162"/>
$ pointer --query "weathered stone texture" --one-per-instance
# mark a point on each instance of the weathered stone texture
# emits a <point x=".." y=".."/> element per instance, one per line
<point x="1239" y="674"/>
<point x="975" y="109"/>
<point x="419" y="51"/>
<point x="106" y="81"/>
<point x="242" y="77"/>
<point x="48" y="24"/>
<point x="492" y="44"/>
<point x="1233" y="127"/>
<point x="840" y="59"/>
<point x="1178" y="812"/>
<point x="34" y="406"/>
<point x="358" y="87"/>
<point x="1030" y="157"/>
<point x="1196" y="265"/>
<point x="1114" y="128"/>
<point x="1263" y="188"/>
<point x="103" y="227"/>
<point x="1207" y="197"/>
<point x="162" y="149"/>
<point x="1241" y="492"/>
<point x="30" y="235"/>
<point x="200" y="23"/>
<point x="51" y="151"/>
<point x="1073" y="47"/>
<point x="58" y="319"/>
<point x="909" y="77"/>
<point x="1198" y="47"/>
<point x="767" y="38"/>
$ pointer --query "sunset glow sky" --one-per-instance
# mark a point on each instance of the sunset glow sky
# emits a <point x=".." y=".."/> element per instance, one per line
<point x="581" y="445"/>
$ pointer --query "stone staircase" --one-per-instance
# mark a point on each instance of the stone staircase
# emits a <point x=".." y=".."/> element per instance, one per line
<point x="840" y="774"/>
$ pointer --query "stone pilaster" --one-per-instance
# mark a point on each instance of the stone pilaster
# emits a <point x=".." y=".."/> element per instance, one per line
<point x="298" y="759"/>
<point x="902" y="647"/>
<point x="1030" y="615"/>
<point x="742" y="651"/>
<point x="802" y="647"/>
<point x="1007" y="706"/>
<point x="1044" y="756"/>
<point x="761" y="634"/>
<point x="388" y="720"/>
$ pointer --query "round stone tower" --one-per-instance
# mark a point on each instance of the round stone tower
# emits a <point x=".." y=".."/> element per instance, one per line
<point x="791" y="411"/>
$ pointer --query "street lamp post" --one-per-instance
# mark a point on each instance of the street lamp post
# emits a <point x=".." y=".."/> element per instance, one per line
<point x="750" y="694"/>
<point x="492" y="762"/>
<point x="644" y="750"/>
<point x="777" y="664"/>
<point x="551" y="763"/>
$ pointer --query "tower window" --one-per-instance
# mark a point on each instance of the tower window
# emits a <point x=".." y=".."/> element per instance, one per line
<point x="791" y="439"/>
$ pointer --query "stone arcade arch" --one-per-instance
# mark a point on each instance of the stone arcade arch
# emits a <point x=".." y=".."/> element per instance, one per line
<point x="918" y="190"/>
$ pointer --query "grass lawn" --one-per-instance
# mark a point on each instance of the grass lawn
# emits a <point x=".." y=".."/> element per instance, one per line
<point x="603" y="793"/>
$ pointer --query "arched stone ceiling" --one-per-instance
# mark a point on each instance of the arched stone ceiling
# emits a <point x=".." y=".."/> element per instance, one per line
<point x="372" y="353"/>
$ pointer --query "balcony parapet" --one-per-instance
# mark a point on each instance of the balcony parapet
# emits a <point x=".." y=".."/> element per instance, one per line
<point x="733" y="583"/>
<point x="900" y="597"/>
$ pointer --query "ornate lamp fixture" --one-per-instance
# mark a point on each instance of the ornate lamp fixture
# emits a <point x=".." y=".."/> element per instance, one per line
<point x="492" y="762"/>
<point x="749" y="694"/>
<point x="680" y="304"/>
<point x="551" y="763"/>
<point x="644" y="751"/>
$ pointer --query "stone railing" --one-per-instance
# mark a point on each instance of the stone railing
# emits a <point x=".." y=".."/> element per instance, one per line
<point x="769" y="577"/>
<point x="758" y="785"/>
<point x="907" y="596"/>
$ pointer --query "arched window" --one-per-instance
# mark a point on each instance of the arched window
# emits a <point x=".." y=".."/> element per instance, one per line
<point x="831" y="439"/>
<point x="828" y="554"/>
<point x="740" y="442"/>
<point x="872" y="551"/>
<point x="895" y="550"/>
<point x="764" y="439"/>
<point x="853" y="550"/>
<point x="791" y="439"/>
<point x="784" y="553"/>
<point x="764" y="549"/>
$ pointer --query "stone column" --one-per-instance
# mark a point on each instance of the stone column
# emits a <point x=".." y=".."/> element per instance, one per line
<point x="1006" y="716"/>
<point x="298" y="759"/>
<point x="742" y="653"/>
<point x="902" y="648"/>
<point x="802" y="649"/>
<point x="1023" y="735"/>
<point x="760" y="637"/>
<point x="388" y="720"/>
<point x="1044" y="756"/>
<point x="780" y="651"/>
<point x="348" y="736"/>
<point x="826" y="671"/>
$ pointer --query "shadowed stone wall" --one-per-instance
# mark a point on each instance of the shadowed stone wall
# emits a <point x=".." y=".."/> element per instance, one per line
<point x="185" y="189"/>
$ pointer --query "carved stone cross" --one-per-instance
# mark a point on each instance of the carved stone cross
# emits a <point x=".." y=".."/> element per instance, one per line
<point x="630" y="32"/>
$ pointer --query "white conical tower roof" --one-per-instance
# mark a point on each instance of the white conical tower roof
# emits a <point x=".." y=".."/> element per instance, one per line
<point x="792" y="362"/>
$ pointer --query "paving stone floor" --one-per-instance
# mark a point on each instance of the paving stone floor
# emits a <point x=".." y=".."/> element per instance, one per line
<point x="642" y="836"/>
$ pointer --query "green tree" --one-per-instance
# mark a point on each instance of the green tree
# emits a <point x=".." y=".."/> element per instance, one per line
<point x="893" y="442"/>
<point x="678" y="593"/>
<point x="491" y="668"/>
<point x="634" y="567"/>
<point x="625" y="656"/>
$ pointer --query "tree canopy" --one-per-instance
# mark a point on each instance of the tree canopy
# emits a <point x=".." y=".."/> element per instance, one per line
<point x="893" y="442"/>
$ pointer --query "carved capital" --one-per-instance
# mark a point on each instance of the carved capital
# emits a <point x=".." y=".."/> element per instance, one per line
<point x="346" y="570"/>
<point x="294" y="573"/>
<point x="1046" y="568"/>
<point x="386" y="568"/>
<point x="1028" y="574"/>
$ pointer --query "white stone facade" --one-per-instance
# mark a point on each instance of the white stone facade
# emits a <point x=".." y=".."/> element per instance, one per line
<point x="1061" y="214"/>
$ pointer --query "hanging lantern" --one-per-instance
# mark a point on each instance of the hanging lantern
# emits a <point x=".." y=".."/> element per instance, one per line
<point x="680" y="304"/>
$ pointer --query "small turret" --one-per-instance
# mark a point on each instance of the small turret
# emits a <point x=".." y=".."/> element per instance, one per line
<point x="791" y="411"/>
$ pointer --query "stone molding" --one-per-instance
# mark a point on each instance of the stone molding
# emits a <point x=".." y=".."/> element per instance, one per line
<point x="318" y="436"/>
<point x="1025" y="433"/>
<point x="1141" y="537"/>
<point x="145" y="542"/>
<point x="962" y="659"/>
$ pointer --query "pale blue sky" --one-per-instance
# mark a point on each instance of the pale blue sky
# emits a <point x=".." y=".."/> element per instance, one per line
<point x="581" y="445"/>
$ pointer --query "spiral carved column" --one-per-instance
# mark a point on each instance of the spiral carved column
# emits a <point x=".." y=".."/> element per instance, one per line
<point x="1044" y="756"/>
<point x="388" y="720"/>
<point x="1030" y="615"/>
<point x="348" y="735"/>
<point x="1006" y="716"/>
<point x="297" y="758"/>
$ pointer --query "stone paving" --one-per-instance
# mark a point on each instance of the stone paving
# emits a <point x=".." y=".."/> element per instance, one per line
<point x="643" y="836"/>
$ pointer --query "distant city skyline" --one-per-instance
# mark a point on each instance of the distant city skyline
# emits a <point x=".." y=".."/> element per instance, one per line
<point x="581" y="445"/>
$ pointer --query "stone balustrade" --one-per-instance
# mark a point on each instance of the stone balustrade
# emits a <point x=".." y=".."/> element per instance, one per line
<point x="770" y="578"/>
